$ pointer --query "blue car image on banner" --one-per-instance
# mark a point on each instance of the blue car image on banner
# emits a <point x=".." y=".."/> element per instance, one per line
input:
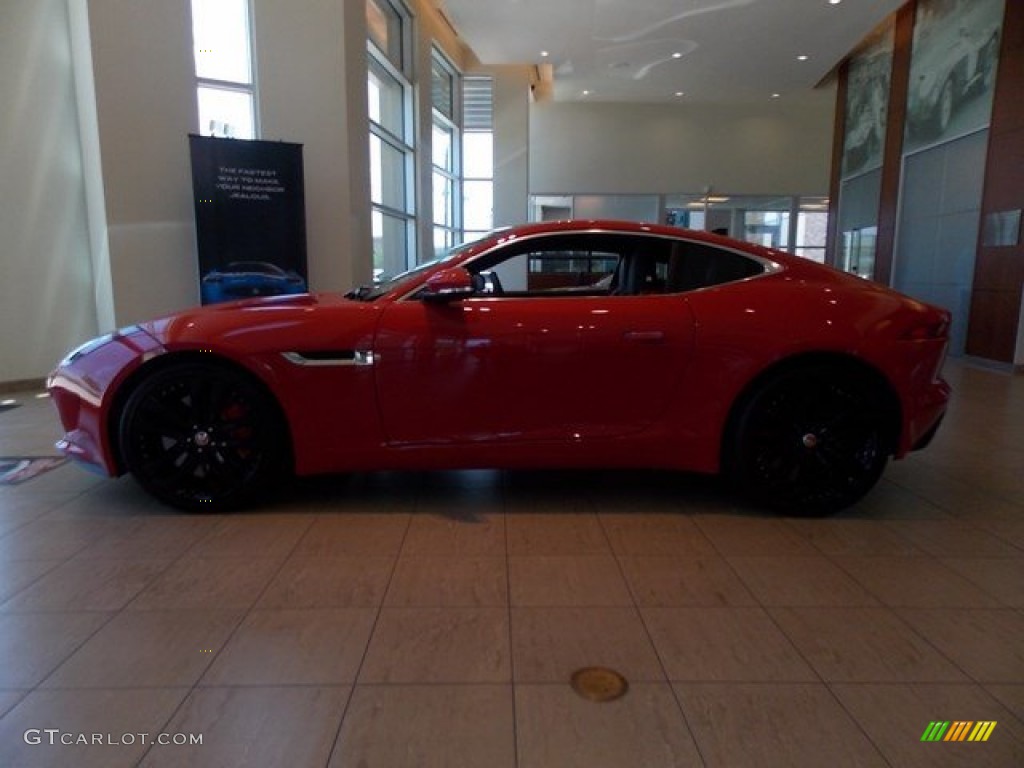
<point x="245" y="279"/>
<point x="250" y="218"/>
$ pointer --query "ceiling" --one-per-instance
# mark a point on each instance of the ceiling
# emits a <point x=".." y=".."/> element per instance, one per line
<point x="724" y="51"/>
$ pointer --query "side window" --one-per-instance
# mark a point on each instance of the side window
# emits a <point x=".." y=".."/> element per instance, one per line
<point x="557" y="266"/>
<point x="698" y="265"/>
<point x="608" y="264"/>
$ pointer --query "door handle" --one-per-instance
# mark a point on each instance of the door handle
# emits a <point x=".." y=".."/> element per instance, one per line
<point x="650" y="336"/>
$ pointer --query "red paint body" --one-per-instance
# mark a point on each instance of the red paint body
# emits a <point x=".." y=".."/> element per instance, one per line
<point x="484" y="381"/>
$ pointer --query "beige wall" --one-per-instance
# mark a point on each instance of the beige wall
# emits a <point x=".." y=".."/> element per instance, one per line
<point x="651" y="148"/>
<point x="47" y="304"/>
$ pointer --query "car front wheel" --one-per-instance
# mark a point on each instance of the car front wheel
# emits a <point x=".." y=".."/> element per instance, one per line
<point x="810" y="441"/>
<point x="201" y="437"/>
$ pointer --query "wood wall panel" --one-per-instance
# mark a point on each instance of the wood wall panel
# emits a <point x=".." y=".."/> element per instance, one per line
<point x="999" y="272"/>
<point x="892" y="158"/>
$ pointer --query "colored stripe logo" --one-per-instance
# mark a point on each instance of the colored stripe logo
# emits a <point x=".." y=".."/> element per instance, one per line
<point x="958" y="730"/>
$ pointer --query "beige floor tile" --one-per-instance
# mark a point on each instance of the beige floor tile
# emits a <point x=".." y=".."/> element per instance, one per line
<point x="160" y="538"/>
<point x="895" y="718"/>
<point x="555" y="727"/>
<point x="1011" y="531"/>
<point x="294" y="647"/>
<point x="784" y="725"/>
<point x="583" y="580"/>
<point x="692" y="581"/>
<point x="723" y="644"/>
<point x="891" y="501"/>
<point x="202" y="584"/>
<point x="16" y="513"/>
<point x="114" y="499"/>
<point x="914" y="581"/>
<point x="956" y="497"/>
<point x="439" y="645"/>
<point x="428" y="726"/>
<point x="51" y="539"/>
<point x="320" y="582"/>
<point x="16" y="575"/>
<point x="66" y="481"/>
<point x="348" y="534"/>
<point x="34" y="644"/>
<point x="986" y="644"/>
<point x="1011" y="697"/>
<point x="448" y="581"/>
<point x="1003" y="578"/>
<point x="799" y="581"/>
<point x="850" y="536"/>
<point x="556" y="533"/>
<point x="353" y="494"/>
<point x="244" y="727"/>
<point x="655" y="534"/>
<point x="130" y="719"/>
<point x="549" y="644"/>
<point x="8" y="699"/>
<point x="87" y="585"/>
<point x="147" y="649"/>
<point x="751" y="535"/>
<point x="954" y="539"/>
<point x="863" y="645"/>
<point x="463" y="533"/>
<point x="265" y="537"/>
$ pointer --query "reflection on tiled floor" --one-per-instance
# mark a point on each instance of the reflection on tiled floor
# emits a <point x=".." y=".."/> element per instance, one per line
<point x="434" y="619"/>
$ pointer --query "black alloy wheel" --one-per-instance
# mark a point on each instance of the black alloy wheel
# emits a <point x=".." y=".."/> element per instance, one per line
<point x="810" y="441"/>
<point x="201" y="437"/>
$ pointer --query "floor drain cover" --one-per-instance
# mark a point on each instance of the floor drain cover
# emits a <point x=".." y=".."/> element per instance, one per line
<point x="599" y="683"/>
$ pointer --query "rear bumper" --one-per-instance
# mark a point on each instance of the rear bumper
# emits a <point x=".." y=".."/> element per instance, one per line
<point x="926" y="417"/>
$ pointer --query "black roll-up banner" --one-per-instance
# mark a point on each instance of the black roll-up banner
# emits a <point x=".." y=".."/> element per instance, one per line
<point x="250" y="218"/>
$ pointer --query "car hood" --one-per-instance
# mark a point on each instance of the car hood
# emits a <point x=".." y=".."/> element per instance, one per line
<point x="272" y="324"/>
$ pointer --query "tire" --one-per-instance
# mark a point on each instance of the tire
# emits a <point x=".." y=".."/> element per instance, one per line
<point x="810" y="441"/>
<point x="201" y="437"/>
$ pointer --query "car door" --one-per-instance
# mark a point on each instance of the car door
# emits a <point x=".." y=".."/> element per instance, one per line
<point x="555" y="349"/>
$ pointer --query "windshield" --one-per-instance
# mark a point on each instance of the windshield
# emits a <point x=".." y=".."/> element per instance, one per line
<point x="385" y="284"/>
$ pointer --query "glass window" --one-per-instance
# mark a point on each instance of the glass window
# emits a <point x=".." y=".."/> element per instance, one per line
<point x="387" y="100"/>
<point x="442" y="86"/>
<point x="224" y="71"/>
<point x="226" y="113"/>
<point x="445" y="155"/>
<point x="389" y="95"/>
<point x="478" y="156"/>
<point x="478" y="205"/>
<point x="812" y="229"/>
<point x="385" y="26"/>
<point x="390" y="244"/>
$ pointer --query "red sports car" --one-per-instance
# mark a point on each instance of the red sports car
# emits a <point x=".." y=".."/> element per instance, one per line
<point x="571" y="344"/>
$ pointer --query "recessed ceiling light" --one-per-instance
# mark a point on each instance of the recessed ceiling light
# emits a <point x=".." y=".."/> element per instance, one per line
<point x="802" y="57"/>
<point x="677" y="55"/>
<point x="834" y="2"/>
<point x="776" y="95"/>
<point x="679" y="93"/>
<point x="586" y="93"/>
<point x="545" y="54"/>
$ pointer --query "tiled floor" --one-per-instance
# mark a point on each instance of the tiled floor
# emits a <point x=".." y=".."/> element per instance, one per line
<point x="435" y="619"/>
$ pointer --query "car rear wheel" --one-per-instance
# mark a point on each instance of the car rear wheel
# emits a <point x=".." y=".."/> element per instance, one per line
<point x="201" y="437"/>
<point x="810" y="441"/>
